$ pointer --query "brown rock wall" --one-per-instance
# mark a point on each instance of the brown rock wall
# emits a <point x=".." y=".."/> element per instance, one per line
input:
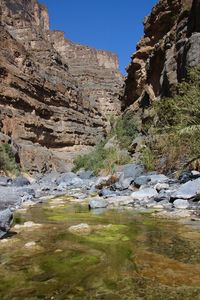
<point x="53" y="93"/>
<point x="170" y="45"/>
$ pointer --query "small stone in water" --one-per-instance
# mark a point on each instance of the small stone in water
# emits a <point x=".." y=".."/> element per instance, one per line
<point x="80" y="229"/>
<point x="30" y="244"/>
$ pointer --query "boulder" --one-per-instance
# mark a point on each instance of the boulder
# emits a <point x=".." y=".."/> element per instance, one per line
<point x="105" y="181"/>
<point x="120" y="201"/>
<point x="144" y="194"/>
<point x="158" y="178"/>
<point x="105" y="192"/>
<point x="150" y="178"/>
<point x="128" y="174"/>
<point x="20" y="181"/>
<point x="5" y="181"/>
<point x="98" y="203"/>
<point x="69" y="179"/>
<point x="141" y="180"/>
<point x="132" y="171"/>
<point x="188" y="190"/>
<point x="14" y="196"/>
<point x="165" y="204"/>
<point x="181" y="204"/>
<point x="187" y="176"/>
<point x="163" y="196"/>
<point x="6" y="218"/>
<point x="161" y="186"/>
<point x="85" y="174"/>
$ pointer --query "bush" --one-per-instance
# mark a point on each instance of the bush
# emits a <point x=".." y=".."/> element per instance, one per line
<point x="101" y="159"/>
<point x="7" y="160"/>
<point x="125" y="129"/>
<point x="177" y="124"/>
<point x="148" y="159"/>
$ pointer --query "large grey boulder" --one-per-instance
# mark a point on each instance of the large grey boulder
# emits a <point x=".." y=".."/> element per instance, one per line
<point x="188" y="190"/>
<point x="150" y="179"/>
<point x="144" y="194"/>
<point x="69" y="179"/>
<point x="141" y="180"/>
<point x="98" y="203"/>
<point x="6" y="218"/>
<point x="129" y="173"/>
<point x="106" y="192"/>
<point x="14" y="196"/>
<point x="5" y="181"/>
<point x="20" y="181"/>
<point x="132" y="170"/>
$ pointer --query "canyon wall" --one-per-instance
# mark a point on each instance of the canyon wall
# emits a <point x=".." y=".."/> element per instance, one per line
<point x="54" y="94"/>
<point x="171" y="44"/>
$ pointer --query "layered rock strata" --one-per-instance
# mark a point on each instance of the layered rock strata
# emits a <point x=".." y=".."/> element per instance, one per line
<point x="54" y="94"/>
<point x="170" y="45"/>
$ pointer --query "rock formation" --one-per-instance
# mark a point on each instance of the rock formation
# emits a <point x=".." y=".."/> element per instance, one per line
<point x="170" y="45"/>
<point x="54" y="94"/>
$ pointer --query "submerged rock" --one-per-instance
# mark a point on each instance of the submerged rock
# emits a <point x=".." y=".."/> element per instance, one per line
<point x="27" y="225"/>
<point x="97" y="203"/>
<point x="82" y="228"/>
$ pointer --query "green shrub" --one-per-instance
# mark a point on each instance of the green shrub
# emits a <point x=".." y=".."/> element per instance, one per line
<point x="148" y="159"/>
<point x="101" y="159"/>
<point x="7" y="160"/>
<point x="177" y="124"/>
<point x="125" y="129"/>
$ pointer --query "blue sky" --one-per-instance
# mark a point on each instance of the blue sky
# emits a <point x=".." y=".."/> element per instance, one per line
<point x="114" y="25"/>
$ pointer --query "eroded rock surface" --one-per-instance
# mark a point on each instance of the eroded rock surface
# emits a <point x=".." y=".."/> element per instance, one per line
<point x="54" y="94"/>
<point x="170" y="45"/>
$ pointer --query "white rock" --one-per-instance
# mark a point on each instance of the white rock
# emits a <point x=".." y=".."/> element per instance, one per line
<point x="28" y="224"/>
<point x="82" y="228"/>
<point x="144" y="194"/>
<point x="30" y="244"/>
<point x="161" y="186"/>
<point x="181" y="204"/>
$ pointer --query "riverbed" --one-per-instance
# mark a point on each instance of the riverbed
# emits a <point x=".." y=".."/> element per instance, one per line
<point x="124" y="255"/>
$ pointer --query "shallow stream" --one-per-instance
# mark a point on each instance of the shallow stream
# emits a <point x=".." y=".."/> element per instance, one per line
<point x="126" y="255"/>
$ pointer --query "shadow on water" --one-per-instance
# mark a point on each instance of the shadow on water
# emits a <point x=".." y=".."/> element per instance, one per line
<point x="125" y="255"/>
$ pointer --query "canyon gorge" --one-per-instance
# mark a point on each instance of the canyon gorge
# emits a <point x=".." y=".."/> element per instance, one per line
<point x="57" y="97"/>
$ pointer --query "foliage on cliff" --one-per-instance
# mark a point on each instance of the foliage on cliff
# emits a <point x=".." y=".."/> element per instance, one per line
<point x="7" y="160"/>
<point x="175" y="129"/>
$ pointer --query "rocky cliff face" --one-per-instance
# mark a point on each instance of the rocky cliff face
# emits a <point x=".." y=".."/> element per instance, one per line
<point x="54" y="94"/>
<point x="170" y="45"/>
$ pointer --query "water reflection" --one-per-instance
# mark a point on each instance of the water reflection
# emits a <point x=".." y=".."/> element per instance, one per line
<point x="126" y="256"/>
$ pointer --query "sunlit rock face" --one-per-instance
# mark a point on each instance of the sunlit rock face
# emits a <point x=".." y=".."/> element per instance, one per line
<point x="170" y="45"/>
<point x="54" y="94"/>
